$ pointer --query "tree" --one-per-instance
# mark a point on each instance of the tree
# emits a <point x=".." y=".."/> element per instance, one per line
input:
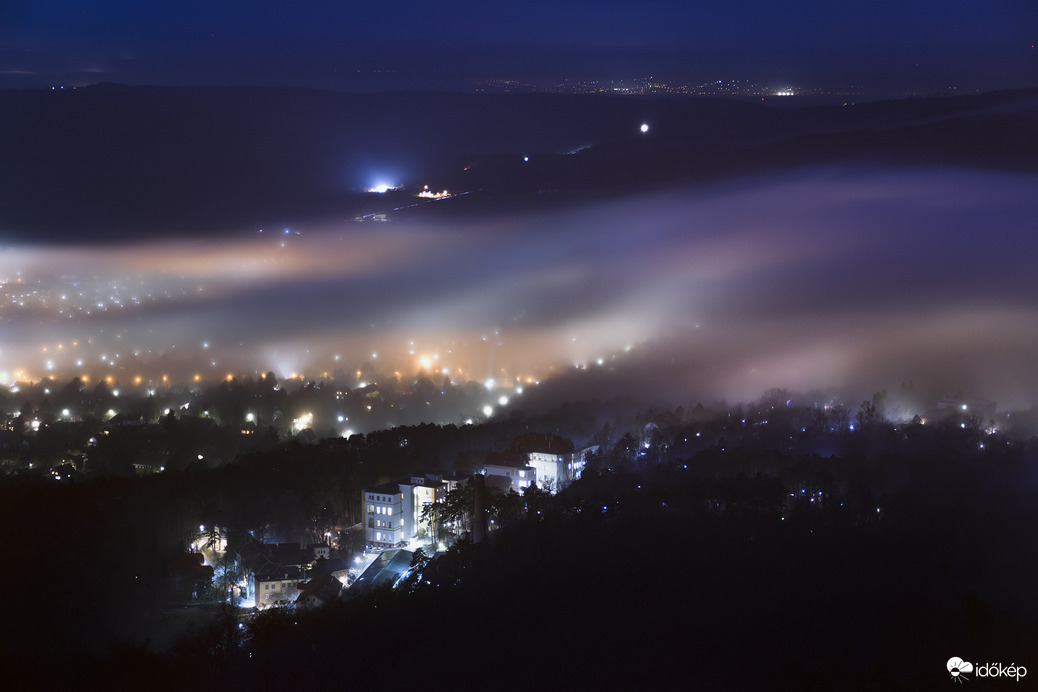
<point x="868" y="416"/>
<point x="227" y="578"/>
<point x="451" y="516"/>
<point x="840" y="417"/>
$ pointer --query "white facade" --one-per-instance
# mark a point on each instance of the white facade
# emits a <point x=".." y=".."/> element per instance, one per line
<point x="551" y="469"/>
<point x="521" y="477"/>
<point x="385" y="515"/>
<point x="556" y="471"/>
<point x="394" y="510"/>
<point x="424" y="491"/>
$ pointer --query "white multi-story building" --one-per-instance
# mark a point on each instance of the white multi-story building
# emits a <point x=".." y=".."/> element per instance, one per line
<point x="546" y="460"/>
<point x="384" y="505"/>
<point x="394" y="510"/>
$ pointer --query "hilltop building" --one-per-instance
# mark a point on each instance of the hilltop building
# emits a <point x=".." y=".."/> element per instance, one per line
<point x="545" y="459"/>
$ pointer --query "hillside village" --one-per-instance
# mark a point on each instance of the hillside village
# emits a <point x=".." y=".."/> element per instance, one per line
<point x="402" y="517"/>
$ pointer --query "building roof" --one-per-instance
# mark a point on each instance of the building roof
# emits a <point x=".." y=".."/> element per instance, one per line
<point x="191" y="565"/>
<point x="333" y="564"/>
<point x="510" y="459"/>
<point x="324" y="588"/>
<point x="541" y="442"/>
<point x="275" y="572"/>
<point x="497" y="484"/>
<point x="288" y="554"/>
<point x="385" y="489"/>
<point x="387" y="568"/>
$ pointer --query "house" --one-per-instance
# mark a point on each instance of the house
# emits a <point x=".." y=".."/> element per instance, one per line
<point x="276" y="585"/>
<point x="336" y="567"/>
<point x="318" y="551"/>
<point x="319" y="591"/>
<point x="189" y="576"/>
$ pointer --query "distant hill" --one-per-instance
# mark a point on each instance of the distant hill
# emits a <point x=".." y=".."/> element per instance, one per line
<point x="111" y="162"/>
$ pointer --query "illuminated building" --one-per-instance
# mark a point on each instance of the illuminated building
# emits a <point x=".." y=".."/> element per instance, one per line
<point x="277" y="584"/>
<point x="520" y="475"/>
<point x="394" y="510"/>
<point x="548" y="460"/>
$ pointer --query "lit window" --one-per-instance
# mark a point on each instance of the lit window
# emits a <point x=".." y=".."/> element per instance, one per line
<point x="389" y="510"/>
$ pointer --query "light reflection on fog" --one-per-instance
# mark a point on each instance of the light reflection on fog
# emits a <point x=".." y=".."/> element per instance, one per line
<point x="832" y="277"/>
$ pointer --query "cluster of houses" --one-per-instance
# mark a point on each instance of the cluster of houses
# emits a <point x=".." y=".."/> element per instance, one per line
<point x="394" y="510"/>
<point x="278" y="574"/>
<point x="394" y="518"/>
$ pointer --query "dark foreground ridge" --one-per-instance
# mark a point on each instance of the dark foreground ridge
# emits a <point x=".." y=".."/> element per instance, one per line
<point x="703" y="548"/>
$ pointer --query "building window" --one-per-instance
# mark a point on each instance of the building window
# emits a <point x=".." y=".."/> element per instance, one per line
<point x="389" y="510"/>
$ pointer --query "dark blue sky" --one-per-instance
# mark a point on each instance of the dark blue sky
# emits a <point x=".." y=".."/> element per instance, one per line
<point x="318" y="43"/>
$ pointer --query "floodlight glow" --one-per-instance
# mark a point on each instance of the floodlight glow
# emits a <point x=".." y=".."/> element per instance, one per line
<point x="644" y="128"/>
<point x="303" y="422"/>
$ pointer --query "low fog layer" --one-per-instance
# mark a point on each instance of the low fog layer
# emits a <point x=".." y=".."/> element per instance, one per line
<point x="837" y="277"/>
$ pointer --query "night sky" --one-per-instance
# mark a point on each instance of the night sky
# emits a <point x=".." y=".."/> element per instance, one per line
<point x="838" y="276"/>
<point x="885" y="44"/>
